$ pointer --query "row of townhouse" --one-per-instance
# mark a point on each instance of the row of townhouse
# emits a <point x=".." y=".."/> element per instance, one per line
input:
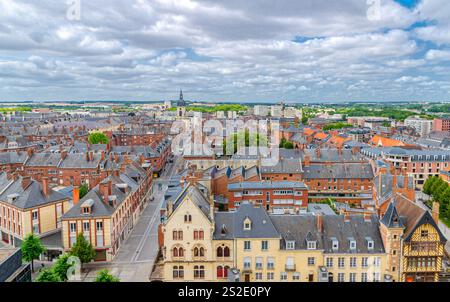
<point x="108" y="212"/>
<point x="66" y="168"/>
<point x="199" y="244"/>
<point x="420" y="164"/>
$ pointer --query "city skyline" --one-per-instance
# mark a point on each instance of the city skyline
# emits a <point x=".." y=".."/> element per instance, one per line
<point x="225" y="51"/>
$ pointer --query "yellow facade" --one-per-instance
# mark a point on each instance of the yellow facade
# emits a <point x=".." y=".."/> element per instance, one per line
<point x="19" y="223"/>
<point x="257" y="259"/>
<point x="422" y="255"/>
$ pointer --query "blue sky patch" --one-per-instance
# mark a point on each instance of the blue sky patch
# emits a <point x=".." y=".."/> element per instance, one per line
<point x="408" y="3"/>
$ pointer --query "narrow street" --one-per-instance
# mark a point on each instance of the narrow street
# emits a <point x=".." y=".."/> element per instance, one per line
<point x="135" y="258"/>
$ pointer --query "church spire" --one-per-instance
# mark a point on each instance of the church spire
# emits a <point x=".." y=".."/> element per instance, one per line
<point x="181" y="102"/>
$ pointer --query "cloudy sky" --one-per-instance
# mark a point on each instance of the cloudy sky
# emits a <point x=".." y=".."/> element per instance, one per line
<point x="225" y="50"/>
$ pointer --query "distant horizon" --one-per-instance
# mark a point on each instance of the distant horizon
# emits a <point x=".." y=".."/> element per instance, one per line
<point x="250" y="102"/>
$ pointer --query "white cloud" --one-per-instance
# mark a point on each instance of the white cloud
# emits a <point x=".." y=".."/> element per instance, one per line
<point x="151" y="48"/>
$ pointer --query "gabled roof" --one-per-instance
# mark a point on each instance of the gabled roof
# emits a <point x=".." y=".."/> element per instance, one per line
<point x="197" y="197"/>
<point x="413" y="216"/>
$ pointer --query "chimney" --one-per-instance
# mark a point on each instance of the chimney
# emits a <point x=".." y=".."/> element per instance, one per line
<point x="26" y="181"/>
<point x="319" y="221"/>
<point x="116" y="173"/>
<point x="405" y="180"/>
<point x="346" y="217"/>
<point x="116" y="157"/>
<point x="63" y="154"/>
<point x="91" y="156"/>
<point x="105" y="188"/>
<point x="87" y="156"/>
<point x="15" y="176"/>
<point x="76" y="195"/>
<point x="45" y="186"/>
<point x="30" y="152"/>
<point x="142" y="158"/>
<point x="354" y="150"/>
<point x="307" y="160"/>
<point x="103" y="155"/>
<point x="318" y="152"/>
<point x="367" y="217"/>
<point x="435" y="212"/>
<point x="123" y="167"/>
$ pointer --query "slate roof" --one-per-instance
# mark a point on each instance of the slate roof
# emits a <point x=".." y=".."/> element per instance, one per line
<point x="13" y="157"/>
<point x="99" y="207"/>
<point x="266" y="185"/>
<point x="30" y="197"/>
<point x="338" y="170"/>
<point x="43" y="160"/>
<point x="332" y="155"/>
<point x="284" y="165"/>
<point x="233" y="224"/>
<point x="78" y="160"/>
<point x="302" y="227"/>
<point x="196" y="196"/>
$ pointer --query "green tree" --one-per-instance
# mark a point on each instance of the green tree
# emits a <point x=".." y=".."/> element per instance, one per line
<point x="48" y="275"/>
<point x="439" y="193"/>
<point x="83" y="249"/>
<point x="61" y="266"/>
<point x="83" y="190"/>
<point x="98" y="138"/>
<point x="32" y="248"/>
<point x="105" y="276"/>
<point x="289" y="145"/>
<point x="443" y="193"/>
<point x="428" y="184"/>
<point x="435" y="185"/>
<point x="438" y="189"/>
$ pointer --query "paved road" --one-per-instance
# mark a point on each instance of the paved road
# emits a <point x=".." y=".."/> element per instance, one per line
<point x="135" y="258"/>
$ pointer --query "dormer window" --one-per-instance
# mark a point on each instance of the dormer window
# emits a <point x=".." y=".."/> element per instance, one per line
<point x="311" y="245"/>
<point x="334" y="244"/>
<point x="247" y="224"/>
<point x="290" y="245"/>
<point x="352" y="244"/>
<point x="86" y="206"/>
<point x="370" y="243"/>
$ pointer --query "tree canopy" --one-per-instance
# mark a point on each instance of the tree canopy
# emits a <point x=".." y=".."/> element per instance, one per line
<point x="84" y="189"/>
<point x="440" y="191"/>
<point x="61" y="266"/>
<point x="98" y="138"/>
<point x="83" y="249"/>
<point x="48" y="275"/>
<point x="32" y="248"/>
<point x="105" y="276"/>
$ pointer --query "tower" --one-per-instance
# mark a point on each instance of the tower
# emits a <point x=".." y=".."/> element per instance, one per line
<point x="391" y="229"/>
<point x="181" y="106"/>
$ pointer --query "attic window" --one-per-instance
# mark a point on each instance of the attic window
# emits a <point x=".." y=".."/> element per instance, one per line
<point x="223" y="231"/>
<point x="290" y="245"/>
<point x="334" y="244"/>
<point x="370" y="244"/>
<point x="352" y="244"/>
<point x="86" y="210"/>
<point x="311" y="245"/>
<point x="247" y="224"/>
